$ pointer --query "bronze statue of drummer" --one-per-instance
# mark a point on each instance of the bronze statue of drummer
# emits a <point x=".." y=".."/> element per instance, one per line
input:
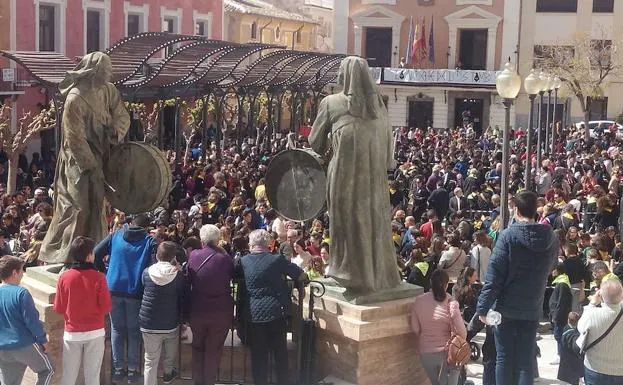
<point x="94" y="119"/>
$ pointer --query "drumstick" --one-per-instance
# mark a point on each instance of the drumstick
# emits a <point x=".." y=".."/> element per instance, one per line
<point x="105" y="183"/>
<point x="110" y="187"/>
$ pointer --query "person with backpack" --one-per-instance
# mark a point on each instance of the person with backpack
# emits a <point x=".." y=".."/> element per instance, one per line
<point x="571" y="368"/>
<point x="435" y="320"/>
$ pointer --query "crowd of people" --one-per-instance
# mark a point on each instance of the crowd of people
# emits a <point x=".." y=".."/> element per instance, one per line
<point x="445" y="194"/>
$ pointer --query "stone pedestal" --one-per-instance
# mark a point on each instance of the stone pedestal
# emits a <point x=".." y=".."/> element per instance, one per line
<point x="367" y="344"/>
<point x="41" y="283"/>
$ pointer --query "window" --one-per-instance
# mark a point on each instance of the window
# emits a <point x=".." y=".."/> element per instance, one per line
<point x="94" y="30"/>
<point x="47" y="28"/>
<point x="203" y="23"/>
<point x="95" y="21"/>
<point x="557" y="6"/>
<point x="254" y="30"/>
<point x="555" y="55"/>
<point x="168" y="25"/>
<point x="136" y="17"/>
<point x="201" y="28"/>
<point x="603" y="6"/>
<point x="134" y="25"/>
<point x="601" y="52"/>
<point x="597" y="108"/>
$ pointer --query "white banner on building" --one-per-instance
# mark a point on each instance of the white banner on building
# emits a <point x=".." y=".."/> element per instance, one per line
<point x="439" y="76"/>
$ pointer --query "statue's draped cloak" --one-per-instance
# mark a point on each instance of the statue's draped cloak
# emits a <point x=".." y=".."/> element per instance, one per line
<point x="362" y="253"/>
<point x="94" y="118"/>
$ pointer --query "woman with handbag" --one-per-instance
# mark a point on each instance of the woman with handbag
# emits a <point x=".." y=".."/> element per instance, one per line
<point x="438" y="325"/>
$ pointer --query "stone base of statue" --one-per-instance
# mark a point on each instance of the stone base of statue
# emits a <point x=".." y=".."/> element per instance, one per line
<point x="41" y="283"/>
<point x="367" y="340"/>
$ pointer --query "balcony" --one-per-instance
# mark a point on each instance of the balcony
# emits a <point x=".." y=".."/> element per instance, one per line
<point x="435" y="77"/>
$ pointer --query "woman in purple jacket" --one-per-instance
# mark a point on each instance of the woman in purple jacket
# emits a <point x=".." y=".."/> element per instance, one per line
<point x="209" y="272"/>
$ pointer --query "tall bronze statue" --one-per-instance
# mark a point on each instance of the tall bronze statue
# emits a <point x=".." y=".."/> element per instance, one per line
<point x="94" y="119"/>
<point x="354" y="126"/>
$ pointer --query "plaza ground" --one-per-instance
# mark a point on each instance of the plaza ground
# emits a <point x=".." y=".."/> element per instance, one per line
<point x="547" y="372"/>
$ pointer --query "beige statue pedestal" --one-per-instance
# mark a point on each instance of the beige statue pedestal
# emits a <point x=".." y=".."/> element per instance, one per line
<point x="367" y="344"/>
<point x="41" y="283"/>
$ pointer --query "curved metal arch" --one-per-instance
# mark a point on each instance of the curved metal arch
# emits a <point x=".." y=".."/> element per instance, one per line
<point x="221" y="51"/>
<point x="318" y="79"/>
<point x="175" y="55"/>
<point x="268" y="78"/>
<point x="312" y="77"/>
<point x="309" y="71"/>
<point x="273" y="59"/>
<point x="150" y="36"/>
<point x="286" y="81"/>
<point x="277" y="79"/>
<point x="222" y="54"/>
<point x="57" y="72"/>
<point x="142" y="61"/>
<point x="230" y="73"/>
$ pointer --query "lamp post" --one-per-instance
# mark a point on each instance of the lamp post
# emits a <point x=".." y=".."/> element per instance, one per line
<point x="539" y="137"/>
<point x="532" y="84"/>
<point x="555" y="85"/>
<point x="507" y="84"/>
<point x="550" y="81"/>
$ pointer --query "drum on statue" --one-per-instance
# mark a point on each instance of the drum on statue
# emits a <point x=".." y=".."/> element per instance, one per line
<point x="139" y="177"/>
<point x="296" y="184"/>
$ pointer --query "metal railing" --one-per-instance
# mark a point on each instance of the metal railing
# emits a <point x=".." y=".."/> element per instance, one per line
<point x="235" y="358"/>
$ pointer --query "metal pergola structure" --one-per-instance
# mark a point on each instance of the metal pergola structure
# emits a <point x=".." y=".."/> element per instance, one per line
<point x="160" y="65"/>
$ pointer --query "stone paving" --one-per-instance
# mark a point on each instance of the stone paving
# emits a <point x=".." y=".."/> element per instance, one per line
<point x="547" y="372"/>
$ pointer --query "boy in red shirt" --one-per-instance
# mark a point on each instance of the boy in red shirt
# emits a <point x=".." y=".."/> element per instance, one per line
<point x="82" y="297"/>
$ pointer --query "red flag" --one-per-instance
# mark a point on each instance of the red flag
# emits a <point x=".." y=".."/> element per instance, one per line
<point x="414" y="43"/>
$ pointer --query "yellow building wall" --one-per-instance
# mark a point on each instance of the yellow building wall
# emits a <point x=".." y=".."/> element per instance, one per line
<point x="266" y="31"/>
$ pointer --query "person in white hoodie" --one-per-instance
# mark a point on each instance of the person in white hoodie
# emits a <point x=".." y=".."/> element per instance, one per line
<point x="160" y="313"/>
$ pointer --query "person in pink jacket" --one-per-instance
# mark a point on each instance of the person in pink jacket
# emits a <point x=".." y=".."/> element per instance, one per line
<point x="433" y="316"/>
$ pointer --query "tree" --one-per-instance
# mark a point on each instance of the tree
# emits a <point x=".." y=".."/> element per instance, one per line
<point x="585" y="66"/>
<point x="14" y="143"/>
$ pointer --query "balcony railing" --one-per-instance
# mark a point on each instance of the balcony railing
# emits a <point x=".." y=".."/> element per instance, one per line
<point x="410" y="76"/>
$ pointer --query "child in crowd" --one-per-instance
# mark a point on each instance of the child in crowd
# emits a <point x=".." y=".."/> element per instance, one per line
<point x="571" y="367"/>
<point x="560" y="303"/>
<point x="160" y="313"/>
<point x="83" y="299"/>
<point x="23" y="342"/>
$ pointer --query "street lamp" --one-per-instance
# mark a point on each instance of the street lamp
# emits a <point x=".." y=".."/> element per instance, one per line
<point x="508" y="84"/>
<point x="563" y="94"/>
<point x="556" y="83"/>
<point x="549" y="87"/>
<point x="539" y="137"/>
<point x="532" y="84"/>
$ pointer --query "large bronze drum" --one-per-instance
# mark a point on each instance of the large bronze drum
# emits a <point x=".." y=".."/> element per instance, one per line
<point x="139" y="177"/>
<point x="296" y="184"/>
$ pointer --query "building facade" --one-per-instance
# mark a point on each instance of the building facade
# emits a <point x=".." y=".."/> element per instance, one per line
<point x="470" y="40"/>
<point x="76" y="27"/>
<point x="255" y="21"/>
<point x="554" y="23"/>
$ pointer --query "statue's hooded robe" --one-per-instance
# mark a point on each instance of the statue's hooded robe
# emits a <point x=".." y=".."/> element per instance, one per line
<point x="355" y="127"/>
<point x="94" y="119"/>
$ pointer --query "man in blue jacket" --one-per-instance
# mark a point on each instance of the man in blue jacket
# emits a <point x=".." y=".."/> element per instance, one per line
<point x="523" y="257"/>
<point x="22" y="338"/>
<point x="131" y="251"/>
